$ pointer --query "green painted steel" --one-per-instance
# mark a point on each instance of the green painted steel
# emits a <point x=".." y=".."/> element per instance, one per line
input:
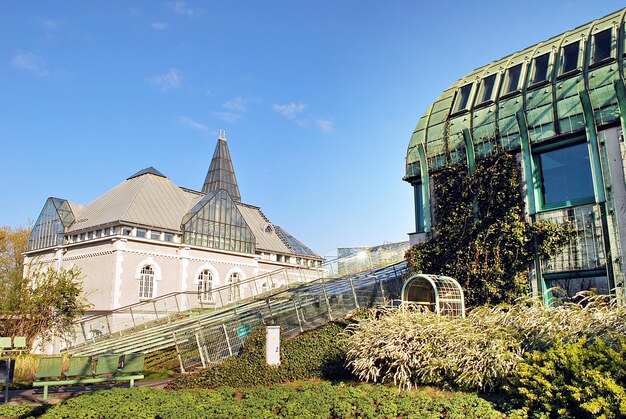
<point x="548" y="97"/>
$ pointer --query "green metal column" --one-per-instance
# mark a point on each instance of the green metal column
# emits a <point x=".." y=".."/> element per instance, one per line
<point x="531" y="194"/>
<point x="425" y="188"/>
<point x="598" y="180"/>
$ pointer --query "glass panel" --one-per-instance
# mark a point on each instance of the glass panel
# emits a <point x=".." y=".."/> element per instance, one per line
<point x="570" y="57"/>
<point x="205" y="286"/>
<point x="146" y="282"/>
<point x="48" y="230"/>
<point x="141" y="232"/>
<point x="540" y="66"/>
<point x="566" y="175"/>
<point x="155" y="235"/>
<point x="486" y="88"/>
<point x="513" y="76"/>
<point x="462" y="97"/>
<point x="215" y="221"/>
<point x="294" y="244"/>
<point x="602" y="45"/>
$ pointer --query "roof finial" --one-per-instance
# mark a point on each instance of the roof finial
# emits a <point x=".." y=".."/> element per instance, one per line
<point x="222" y="134"/>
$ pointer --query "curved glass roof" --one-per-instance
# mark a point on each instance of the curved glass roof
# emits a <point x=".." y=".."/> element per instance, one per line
<point x="534" y="92"/>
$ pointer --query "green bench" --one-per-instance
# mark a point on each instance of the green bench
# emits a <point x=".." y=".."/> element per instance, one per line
<point x="18" y="345"/>
<point x="80" y="370"/>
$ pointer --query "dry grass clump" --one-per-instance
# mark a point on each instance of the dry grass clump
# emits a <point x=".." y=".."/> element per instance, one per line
<point x="416" y="347"/>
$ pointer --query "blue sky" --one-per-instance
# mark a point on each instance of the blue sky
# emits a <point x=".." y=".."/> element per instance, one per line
<point x="318" y="98"/>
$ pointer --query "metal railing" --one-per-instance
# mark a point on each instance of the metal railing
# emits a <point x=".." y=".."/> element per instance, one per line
<point x="585" y="248"/>
<point x="306" y="307"/>
<point x="172" y="307"/>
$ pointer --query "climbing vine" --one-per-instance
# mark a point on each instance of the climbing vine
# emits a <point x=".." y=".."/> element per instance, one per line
<point x="480" y="235"/>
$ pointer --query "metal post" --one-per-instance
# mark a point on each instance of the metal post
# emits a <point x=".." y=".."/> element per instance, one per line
<point x="132" y="317"/>
<point x="200" y="350"/>
<point x="108" y="324"/>
<point x="176" y="301"/>
<point x="7" y="377"/>
<point x="230" y="349"/>
<point x="180" y="359"/>
<point x="356" y="300"/>
<point x="330" y="314"/>
<point x="269" y="307"/>
<point x="155" y="310"/>
<point x="295" y="306"/>
<point x="221" y="299"/>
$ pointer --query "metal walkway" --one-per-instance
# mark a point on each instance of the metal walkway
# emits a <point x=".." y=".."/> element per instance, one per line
<point x="206" y="329"/>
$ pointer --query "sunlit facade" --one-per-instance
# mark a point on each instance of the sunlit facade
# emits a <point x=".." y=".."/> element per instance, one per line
<point x="560" y="107"/>
<point x="148" y="237"/>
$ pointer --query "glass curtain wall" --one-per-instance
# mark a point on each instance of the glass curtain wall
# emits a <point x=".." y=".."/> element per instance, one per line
<point x="55" y="216"/>
<point x="215" y="222"/>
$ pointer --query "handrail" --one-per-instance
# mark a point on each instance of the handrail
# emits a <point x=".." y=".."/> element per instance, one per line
<point x="220" y="288"/>
<point x="175" y="293"/>
<point x="162" y="308"/>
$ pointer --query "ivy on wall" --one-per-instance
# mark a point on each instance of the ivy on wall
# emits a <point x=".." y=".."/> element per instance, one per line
<point x="480" y="235"/>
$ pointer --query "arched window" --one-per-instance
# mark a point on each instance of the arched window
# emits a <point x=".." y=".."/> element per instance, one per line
<point x="234" y="293"/>
<point x="205" y="286"/>
<point x="146" y="282"/>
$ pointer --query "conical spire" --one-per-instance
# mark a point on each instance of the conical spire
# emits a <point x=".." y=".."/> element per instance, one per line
<point x="221" y="174"/>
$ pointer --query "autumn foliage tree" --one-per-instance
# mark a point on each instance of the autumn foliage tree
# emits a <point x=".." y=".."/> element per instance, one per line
<point x="40" y="302"/>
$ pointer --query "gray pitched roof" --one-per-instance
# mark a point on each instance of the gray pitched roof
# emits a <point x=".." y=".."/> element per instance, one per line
<point x="257" y="221"/>
<point x="148" y="199"/>
<point x="221" y="174"/>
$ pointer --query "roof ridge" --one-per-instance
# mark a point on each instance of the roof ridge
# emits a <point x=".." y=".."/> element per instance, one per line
<point x="142" y="179"/>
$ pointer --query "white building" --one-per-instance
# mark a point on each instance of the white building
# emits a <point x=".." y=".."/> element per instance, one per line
<point x="147" y="237"/>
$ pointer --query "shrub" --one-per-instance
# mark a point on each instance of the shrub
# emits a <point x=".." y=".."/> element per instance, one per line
<point x="308" y="399"/>
<point x="580" y="379"/>
<point x="20" y="411"/>
<point x="315" y="354"/>
<point x="412" y="348"/>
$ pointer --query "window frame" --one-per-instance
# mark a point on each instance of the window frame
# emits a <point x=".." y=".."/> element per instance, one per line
<point x="507" y="80"/>
<point x="592" y="58"/>
<point x="533" y="75"/>
<point x="234" y="287"/>
<point x="458" y="97"/>
<point x="481" y="89"/>
<point x="146" y="282"/>
<point x="539" y="182"/>
<point x="577" y="67"/>
<point x="205" y="293"/>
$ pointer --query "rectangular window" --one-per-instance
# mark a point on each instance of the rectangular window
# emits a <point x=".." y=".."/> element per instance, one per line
<point x="486" y="88"/>
<point x="601" y="46"/>
<point x="116" y="230"/>
<point x="127" y="231"/>
<point x="512" y="78"/>
<point x="565" y="176"/>
<point x="419" y="208"/>
<point x="155" y="235"/>
<point x="168" y="237"/>
<point x="107" y="231"/>
<point x="462" y="98"/>
<point x="540" y="68"/>
<point x="570" y="57"/>
<point x="96" y="234"/>
<point x="140" y="233"/>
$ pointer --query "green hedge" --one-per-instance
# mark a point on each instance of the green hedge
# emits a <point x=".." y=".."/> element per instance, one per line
<point x="578" y="380"/>
<point x="315" y="354"/>
<point x="309" y="399"/>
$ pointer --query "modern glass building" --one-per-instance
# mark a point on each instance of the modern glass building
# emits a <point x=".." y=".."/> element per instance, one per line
<point x="148" y="237"/>
<point x="560" y="106"/>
